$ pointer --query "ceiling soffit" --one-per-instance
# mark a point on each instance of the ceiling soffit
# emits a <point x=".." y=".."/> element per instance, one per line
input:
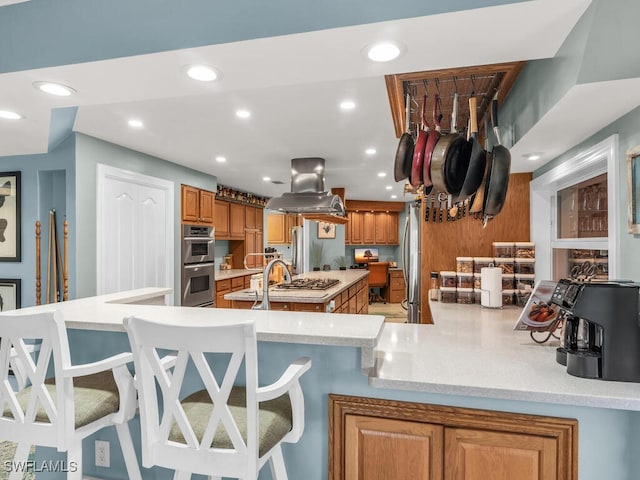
<point x="484" y="82"/>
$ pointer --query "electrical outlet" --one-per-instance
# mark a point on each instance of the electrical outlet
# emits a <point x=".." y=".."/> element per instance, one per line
<point x="102" y="453"/>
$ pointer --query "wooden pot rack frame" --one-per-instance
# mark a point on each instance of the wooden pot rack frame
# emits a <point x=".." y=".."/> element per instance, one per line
<point x="482" y="81"/>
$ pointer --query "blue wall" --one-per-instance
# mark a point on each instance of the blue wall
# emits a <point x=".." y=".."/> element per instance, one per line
<point x="48" y="181"/>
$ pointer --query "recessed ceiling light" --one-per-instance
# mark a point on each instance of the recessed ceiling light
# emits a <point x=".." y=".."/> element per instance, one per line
<point x="394" y="196"/>
<point x="348" y="105"/>
<point x="382" y="174"/>
<point x="9" y="115"/>
<point x="389" y="187"/>
<point x="135" y="123"/>
<point x="370" y="151"/>
<point x="266" y="179"/>
<point x="383" y="51"/>
<point x="54" y="88"/>
<point x="221" y="159"/>
<point x="533" y="156"/>
<point x="202" y="73"/>
<point x="243" y="113"/>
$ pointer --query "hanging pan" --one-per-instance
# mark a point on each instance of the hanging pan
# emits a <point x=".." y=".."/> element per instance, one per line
<point x="404" y="153"/>
<point x="498" y="177"/>
<point x="477" y="157"/>
<point x="434" y="136"/>
<point x="418" y="151"/>
<point x="448" y="162"/>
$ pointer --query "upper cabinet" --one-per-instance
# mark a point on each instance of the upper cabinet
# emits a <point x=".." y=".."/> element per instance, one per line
<point x="197" y="206"/>
<point x="279" y="228"/>
<point x="373" y="223"/>
<point x="232" y="219"/>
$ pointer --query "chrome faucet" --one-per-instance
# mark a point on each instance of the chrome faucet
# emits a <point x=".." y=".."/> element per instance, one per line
<point x="264" y="305"/>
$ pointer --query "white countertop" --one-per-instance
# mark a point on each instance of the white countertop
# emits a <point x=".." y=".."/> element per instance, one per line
<point x="473" y="351"/>
<point x="346" y="277"/>
<point x="106" y="312"/>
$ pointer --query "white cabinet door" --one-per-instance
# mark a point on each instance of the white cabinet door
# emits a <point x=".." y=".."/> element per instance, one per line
<point x="134" y="231"/>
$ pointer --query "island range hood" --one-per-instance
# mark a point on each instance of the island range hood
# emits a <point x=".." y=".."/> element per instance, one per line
<point x="307" y="191"/>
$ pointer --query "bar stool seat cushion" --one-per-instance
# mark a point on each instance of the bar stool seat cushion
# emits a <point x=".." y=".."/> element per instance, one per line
<point x="274" y="417"/>
<point x="95" y="396"/>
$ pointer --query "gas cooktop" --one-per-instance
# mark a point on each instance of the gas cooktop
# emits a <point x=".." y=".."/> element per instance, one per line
<point x="309" y="284"/>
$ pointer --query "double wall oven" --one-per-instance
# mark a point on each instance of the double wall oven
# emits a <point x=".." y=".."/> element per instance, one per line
<point x="198" y="282"/>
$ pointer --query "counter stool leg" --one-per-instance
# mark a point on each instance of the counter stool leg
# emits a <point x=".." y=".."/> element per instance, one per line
<point x="276" y="462"/>
<point x="128" y="452"/>
<point x="21" y="455"/>
<point x="74" y="459"/>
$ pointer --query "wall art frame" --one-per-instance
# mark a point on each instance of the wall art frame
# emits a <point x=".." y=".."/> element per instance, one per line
<point x="9" y="294"/>
<point x="633" y="189"/>
<point x="10" y="217"/>
<point x="326" y="230"/>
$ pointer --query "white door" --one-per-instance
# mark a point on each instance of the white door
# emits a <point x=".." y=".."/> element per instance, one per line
<point x="134" y="231"/>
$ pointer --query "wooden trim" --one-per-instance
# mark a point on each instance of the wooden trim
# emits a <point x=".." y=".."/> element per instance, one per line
<point x="395" y="87"/>
<point x="562" y="430"/>
<point x="372" y="206"/>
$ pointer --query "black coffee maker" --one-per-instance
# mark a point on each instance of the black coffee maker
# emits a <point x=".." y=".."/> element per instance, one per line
<point x="601" y="333"/>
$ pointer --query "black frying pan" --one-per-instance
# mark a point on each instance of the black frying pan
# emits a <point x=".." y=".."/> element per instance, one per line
<point x="477" y="156"/>
<point x="404" y="153"/>
<point x="498" y="178"/>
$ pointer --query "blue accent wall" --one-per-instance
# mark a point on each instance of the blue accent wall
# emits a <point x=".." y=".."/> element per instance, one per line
<point x="47" y="182"/>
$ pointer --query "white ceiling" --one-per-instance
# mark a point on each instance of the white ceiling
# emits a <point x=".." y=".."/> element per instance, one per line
<point x="293" y="84"/>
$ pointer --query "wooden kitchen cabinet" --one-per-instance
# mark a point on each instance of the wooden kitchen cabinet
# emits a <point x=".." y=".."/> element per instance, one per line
<point x="372" y="228"/>
<point x="250" y="217"/>
<point x="279" y="228"/>
<point x="382" y="449"/>
<point x="368" y="228"/>
<point x="379" y="439"/>
<point x="396" y="290"/>
<point x="472" y="454"/>
<point x="197" y="206"/>
<point x="221" y="220"/>
<point x="236" y="220"/>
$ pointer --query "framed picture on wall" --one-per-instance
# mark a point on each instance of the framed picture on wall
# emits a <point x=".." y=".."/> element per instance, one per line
<point x="9" y="294"/>
<point x="326" y="230"/>
<point x="9" y="216"/>
<point x="633" y="189"/>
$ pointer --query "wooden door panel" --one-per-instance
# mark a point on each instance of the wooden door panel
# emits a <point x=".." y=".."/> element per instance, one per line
<point x="207" y="202"/>
<point x="383" y="449"/>
<point x="236" y="220"/>
<point x="480" y="455"/>
<point x="368" y="228"/>
<point x="356" y="227"/>
<point x="276" y="225"/>
<point x="190" y="204"/>
<point x="221" y="219"/>
<point x="381" y="228"/>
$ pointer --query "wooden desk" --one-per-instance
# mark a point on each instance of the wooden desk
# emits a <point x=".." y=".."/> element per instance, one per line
<point x="395" y="291"/>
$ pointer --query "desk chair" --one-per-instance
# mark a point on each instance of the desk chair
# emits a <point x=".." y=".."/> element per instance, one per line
<point x="378" y="278"/>
<point x="222" y="430"/>
<point x="77" y="401"/>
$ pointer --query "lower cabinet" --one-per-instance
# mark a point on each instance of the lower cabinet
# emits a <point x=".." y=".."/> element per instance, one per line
<point x="373" y="439"/>
<point x="396" y="290"/>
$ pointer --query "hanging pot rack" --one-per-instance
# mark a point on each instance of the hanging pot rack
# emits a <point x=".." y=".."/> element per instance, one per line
<point x="483" y="82"/>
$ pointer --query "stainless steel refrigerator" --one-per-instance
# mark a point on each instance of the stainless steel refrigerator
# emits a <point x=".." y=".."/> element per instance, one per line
<point x="299" y="251"/>
<point x="411" y="262"/>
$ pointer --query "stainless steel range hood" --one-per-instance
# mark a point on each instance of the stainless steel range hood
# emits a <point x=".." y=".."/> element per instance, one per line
<point x="307" y="191"/>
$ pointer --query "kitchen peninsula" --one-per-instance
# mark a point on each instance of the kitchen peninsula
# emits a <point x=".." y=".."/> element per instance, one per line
<point x="470" y="358"/>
